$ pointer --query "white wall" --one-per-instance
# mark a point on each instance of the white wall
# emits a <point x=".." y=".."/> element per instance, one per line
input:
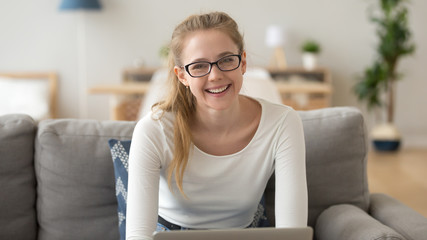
<point x="34" y="35"/>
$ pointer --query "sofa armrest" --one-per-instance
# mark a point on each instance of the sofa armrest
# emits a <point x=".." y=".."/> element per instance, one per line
<point x="398" y="216"/>
<point x="350" y="222"/>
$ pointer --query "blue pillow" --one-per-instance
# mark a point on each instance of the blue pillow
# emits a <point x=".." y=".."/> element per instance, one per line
<point x="120" y="154"/>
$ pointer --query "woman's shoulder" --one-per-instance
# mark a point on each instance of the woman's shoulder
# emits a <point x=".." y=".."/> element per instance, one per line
<point x="275" y="109"/>
<point x="156" y="121"/>
<point x="275" y="115"/>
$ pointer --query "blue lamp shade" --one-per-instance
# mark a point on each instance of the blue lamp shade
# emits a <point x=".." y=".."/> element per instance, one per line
<point x="80" y="4"/>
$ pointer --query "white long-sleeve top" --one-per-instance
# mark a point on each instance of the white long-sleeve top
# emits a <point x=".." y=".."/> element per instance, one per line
<point x="222" y="191"/>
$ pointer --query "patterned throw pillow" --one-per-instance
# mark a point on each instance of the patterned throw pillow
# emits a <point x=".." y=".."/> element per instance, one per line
<point x="260" y="218"/>
<point x="120" y="154"/>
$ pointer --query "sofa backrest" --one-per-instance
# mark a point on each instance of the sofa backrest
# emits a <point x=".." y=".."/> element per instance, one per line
<point x="17" y="178"/>
<point x="75" y="175"/>
<point x="336" y="151"/>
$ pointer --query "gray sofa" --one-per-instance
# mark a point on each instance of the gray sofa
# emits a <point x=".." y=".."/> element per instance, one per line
<point x="57" y="180"/>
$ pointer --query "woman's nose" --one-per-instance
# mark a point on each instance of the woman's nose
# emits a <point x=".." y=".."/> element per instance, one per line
<point x="215" y="73"/>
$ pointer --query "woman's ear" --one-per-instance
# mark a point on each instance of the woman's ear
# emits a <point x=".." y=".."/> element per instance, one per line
<point x="180" y="73"/>
<point x="244" y="63"/>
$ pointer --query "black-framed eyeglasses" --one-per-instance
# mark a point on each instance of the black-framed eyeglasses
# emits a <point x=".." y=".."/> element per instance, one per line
<point x="203" y="68"/>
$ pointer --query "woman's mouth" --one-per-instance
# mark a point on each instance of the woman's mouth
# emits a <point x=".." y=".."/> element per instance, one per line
<point x="218" y="90"/>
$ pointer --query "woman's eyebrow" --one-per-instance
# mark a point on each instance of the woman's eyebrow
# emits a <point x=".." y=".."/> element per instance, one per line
<point x="225" y="54"/>
<point x="218" y="57"/>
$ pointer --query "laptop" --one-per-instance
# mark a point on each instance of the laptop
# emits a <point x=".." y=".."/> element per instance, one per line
<point x="305" y="233"/>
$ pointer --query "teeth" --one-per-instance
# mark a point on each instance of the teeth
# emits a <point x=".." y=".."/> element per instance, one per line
<point x="218" y="90"/>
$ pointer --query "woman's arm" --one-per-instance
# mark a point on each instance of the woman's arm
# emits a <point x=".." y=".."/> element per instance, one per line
<point x="291" y="204"/>
<point x="143" y="183"/>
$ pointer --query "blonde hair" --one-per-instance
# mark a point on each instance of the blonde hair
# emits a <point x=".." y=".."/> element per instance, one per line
<point x="180" y="100"/>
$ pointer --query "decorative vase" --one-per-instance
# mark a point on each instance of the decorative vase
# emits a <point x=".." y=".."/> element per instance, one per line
<point x="309" y="60"/>
<point x="386" y="137"/>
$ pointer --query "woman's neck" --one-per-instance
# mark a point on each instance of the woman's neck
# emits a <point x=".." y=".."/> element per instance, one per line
<point x="218" y="121"/>
<point x="226" y="132"/>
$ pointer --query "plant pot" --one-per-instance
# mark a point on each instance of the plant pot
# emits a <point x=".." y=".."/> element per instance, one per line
<point x="386" y="137"/>
<point x="309" y="60"/>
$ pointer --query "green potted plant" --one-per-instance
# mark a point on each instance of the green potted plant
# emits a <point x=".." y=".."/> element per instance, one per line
<point x="310" y="50"/>
<point x="376" y="87"/>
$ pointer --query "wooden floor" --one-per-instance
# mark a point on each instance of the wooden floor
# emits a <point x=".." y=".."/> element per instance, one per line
<point x="402" y="175"/>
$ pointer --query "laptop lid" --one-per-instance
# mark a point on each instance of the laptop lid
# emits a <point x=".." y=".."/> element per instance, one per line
<point x="233" y="234"/>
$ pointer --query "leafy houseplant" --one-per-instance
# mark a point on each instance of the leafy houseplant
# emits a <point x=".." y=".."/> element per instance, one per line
<point x="311" y="47"/>
<point x="377" y="85"/>
<point x="310" y="50"/>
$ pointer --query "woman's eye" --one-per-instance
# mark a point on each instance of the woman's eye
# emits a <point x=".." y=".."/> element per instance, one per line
<point x="227" y="59"/>
<point x="198" y="66"/>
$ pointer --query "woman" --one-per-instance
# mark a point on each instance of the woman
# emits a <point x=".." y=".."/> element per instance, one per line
<point x="202" y="159"/>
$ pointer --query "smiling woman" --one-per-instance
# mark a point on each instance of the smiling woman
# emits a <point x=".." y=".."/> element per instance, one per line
<point x="202" y="158"/>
